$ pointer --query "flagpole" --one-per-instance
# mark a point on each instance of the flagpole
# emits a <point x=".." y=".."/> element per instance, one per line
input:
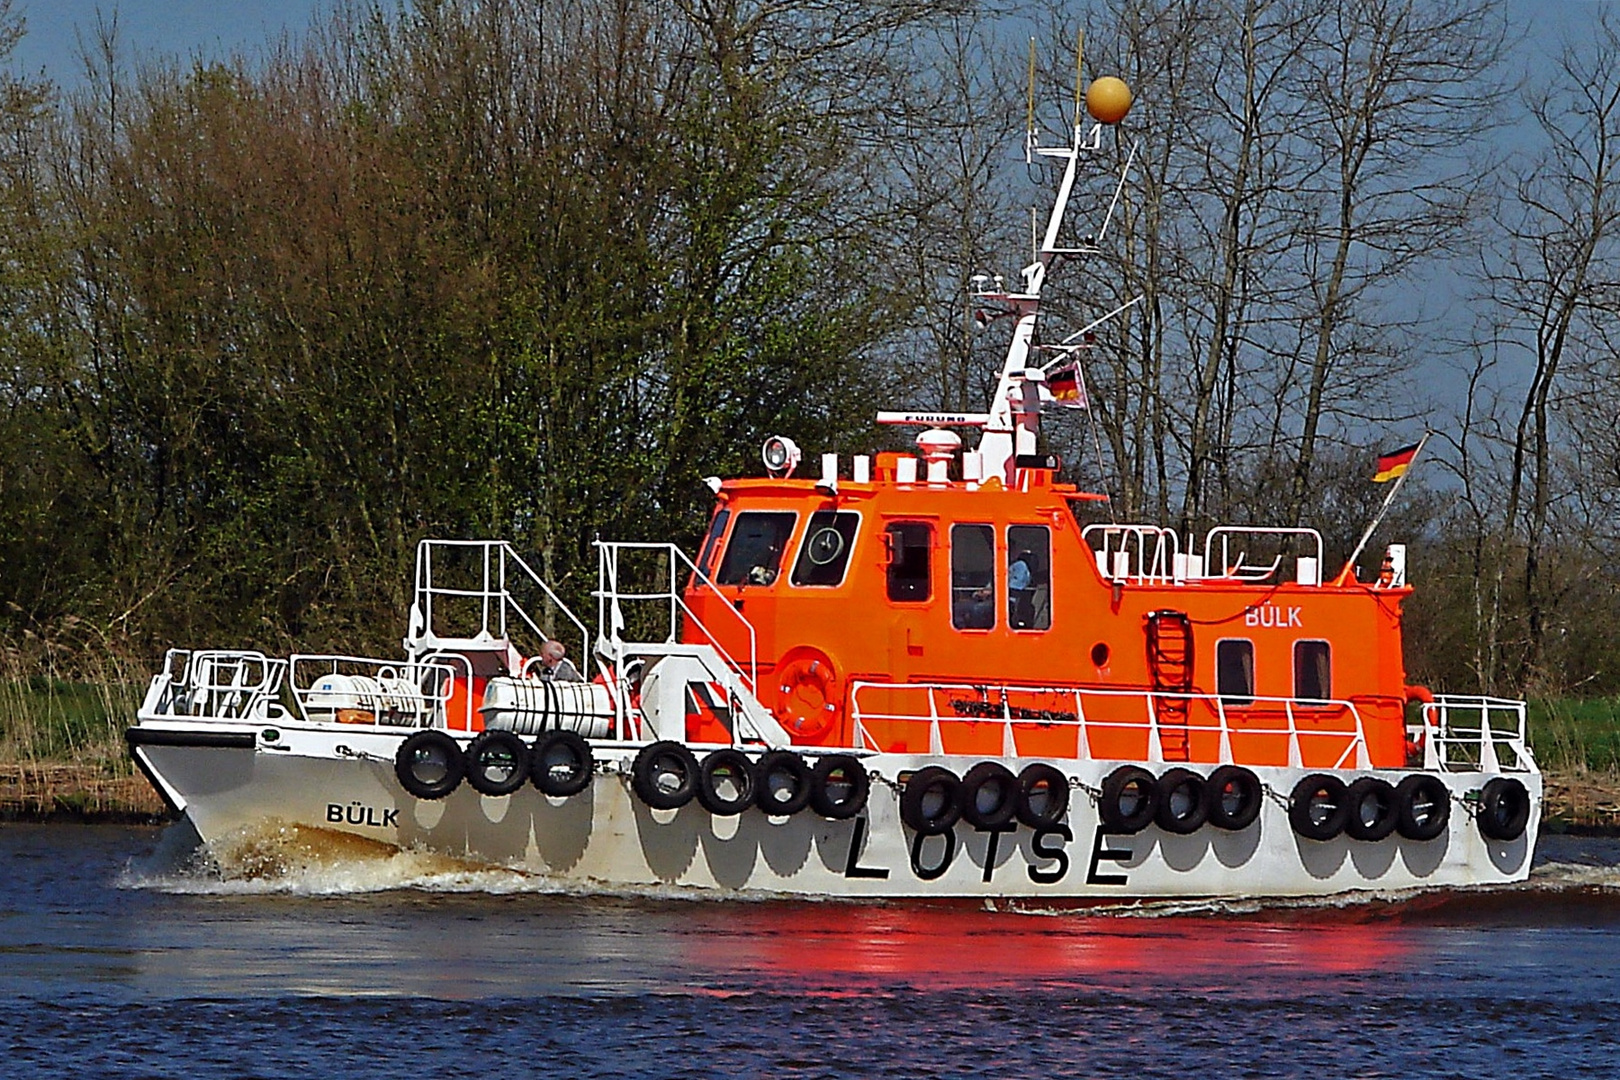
<point x="1350" y="563"/>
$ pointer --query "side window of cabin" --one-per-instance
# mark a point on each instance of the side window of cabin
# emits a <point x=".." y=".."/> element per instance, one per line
<point x="1234" y="671"/>
<point x="1313" y="671"/>
<point x="754" y="552"/>
<point x="973" y="577"/>
<point x="717" y="529"/>
<point x="824" y="554"/>
<point x="1029" y="581"/>
<point x="911" y="545"/>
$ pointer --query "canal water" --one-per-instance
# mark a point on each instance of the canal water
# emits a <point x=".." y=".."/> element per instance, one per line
<point x="122" y="955"/>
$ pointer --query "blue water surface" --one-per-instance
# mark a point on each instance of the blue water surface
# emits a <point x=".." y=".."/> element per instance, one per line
<point x="121" y="958"/>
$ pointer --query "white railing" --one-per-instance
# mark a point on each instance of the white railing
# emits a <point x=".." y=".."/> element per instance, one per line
<point x="497" y="567"/>
<point x="1240" y="568"/>
<point x="1463" y="733"/>
<point x="218" y="684"/>
<point x="612" y="594"/>
<point x="1156" y="551"/>
<point x="996" y="704"/>
<point x="403" y="693"/>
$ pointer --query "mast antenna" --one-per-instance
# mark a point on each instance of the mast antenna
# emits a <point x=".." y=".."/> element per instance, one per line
<point x="1029" y="116"/>
<point x="1079" y="77"/>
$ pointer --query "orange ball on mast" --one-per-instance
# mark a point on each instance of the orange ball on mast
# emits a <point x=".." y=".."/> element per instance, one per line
<point x="1108" y="99"/>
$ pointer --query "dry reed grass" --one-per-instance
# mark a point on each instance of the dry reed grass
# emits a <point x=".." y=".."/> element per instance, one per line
<point x="65" y="701"/>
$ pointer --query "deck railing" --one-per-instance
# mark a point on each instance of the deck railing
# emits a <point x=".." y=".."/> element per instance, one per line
<point x="614" y="592"/>
<point x="1463" y="733"/>
<point x="479" y="597"/>
<point x="1026" y="715"/>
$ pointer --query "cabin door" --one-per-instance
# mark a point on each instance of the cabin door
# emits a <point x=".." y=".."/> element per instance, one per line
<point x="1170" y="663"/>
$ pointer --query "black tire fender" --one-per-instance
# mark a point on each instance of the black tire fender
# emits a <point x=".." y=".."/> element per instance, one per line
<point x="1319" y="807"/>
<point x="723" y="765"/>
<point x="664" y="775"/>
<point x="1422" y="806"/>
<point x="1233" y="794"/>
<point x="838" y="770"/>
<point x="781" y="783"/>
<point x="1504" y="809"/>
<point x="425" y="753"/>
<point x="1130" y="799"/>
<point x="561" y="763"/>
<point x="1043" y="796"/>
<point x="932" y="800"/>
<point x="990" y="795"/>
<point x="497" y="763"/>
<point x="1374" y="809"/>
<point x="1183" y="802"/>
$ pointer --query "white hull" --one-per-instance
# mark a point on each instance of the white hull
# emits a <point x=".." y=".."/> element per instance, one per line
<point x="343" y="780"/>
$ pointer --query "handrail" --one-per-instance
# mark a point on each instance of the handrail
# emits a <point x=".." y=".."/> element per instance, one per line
<point x="1160" y="567"/>
<point x="494" y="587"/>
<point x="411" y="672"/>
<point x="609" y="595"/>
<point x="1242" y="571"/>
<point x="1478" y="746"/>
<point x="1355" y="752"/>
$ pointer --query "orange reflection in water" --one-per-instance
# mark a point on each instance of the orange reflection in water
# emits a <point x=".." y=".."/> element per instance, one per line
<point x="824" y="945"/>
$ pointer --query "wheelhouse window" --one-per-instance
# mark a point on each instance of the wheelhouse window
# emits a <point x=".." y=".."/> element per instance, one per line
<point x="1234" y="671"/>
<point x="824" y="554"/>
<point x="973" y="577"/>
<point x="754" y="552"/>
<point x="711" y="543"/>
<point x="1029" y="585"/>
<point x="911" y="546"/>
<point x="1313" y="671"/>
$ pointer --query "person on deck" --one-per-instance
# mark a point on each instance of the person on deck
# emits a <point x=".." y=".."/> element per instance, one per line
<point x="555" y="665"/>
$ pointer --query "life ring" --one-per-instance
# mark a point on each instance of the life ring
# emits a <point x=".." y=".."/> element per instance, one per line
<point x="838" y="787"/>
<point x="1233" y="795"/>
<point x="497" y="763"/>
<point x="989" y="795"/>
<point x="726" y="782"/>
<point x="429" y="764"/>
<point x="1130" y="799"/>
<point x="1422" y="806"/>
<point x="1183" y="803"/>
<point x="1043" y="796"/>
<point x="561" y="763"/>
<point x="664" y="775"/>
<point x="781" y="783"/>
<point x="1374" y="809"/>
<point x="1504" y="809"/>
<point x="809" y="699"/>
<point x="932" y="801"/>
<point x="1319" y="807"/>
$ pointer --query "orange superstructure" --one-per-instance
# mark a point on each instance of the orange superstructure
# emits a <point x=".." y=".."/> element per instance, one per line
<point x="888" y="583"/>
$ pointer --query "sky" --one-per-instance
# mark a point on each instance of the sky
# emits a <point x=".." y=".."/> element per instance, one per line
<point x="206" y="28"/>
<point x="215" y="28"/>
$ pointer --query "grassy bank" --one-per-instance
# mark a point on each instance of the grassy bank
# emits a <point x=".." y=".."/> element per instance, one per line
<point x="62" y="750"/>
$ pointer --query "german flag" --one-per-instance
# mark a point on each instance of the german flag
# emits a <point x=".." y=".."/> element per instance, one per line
<point x="1395" y="462"/>
<point x="1064" y="385"/>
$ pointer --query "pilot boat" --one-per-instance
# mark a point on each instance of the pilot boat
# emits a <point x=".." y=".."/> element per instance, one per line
<point x="939" y="674"/>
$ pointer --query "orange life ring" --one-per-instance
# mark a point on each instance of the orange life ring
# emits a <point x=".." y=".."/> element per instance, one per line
<point x="809" y="699"/>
